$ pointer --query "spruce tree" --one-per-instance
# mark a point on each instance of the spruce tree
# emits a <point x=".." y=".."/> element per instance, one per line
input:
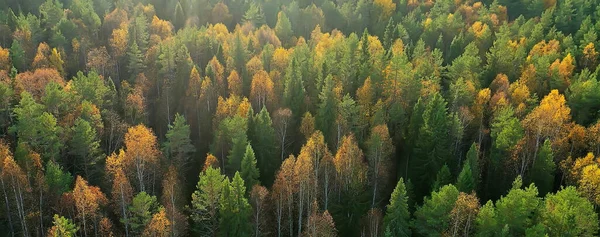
<point x="18" y="57"/>
<point x="442" y="178"/>
<point x="205" y="202"/>
<point x="249" y="171"/>
<point x="542" y="172"/>
<point x="85" y="148"/>
<point x="473" y="159"/>
<point x="179" y="146"/>
<point x="293" y="94"/>
<point x="264" y="144"/>
<point x="432" y="146"/>
<point x="397" y="216"/>
<point x="327" y="110"/>
<point x="466" y="182"/>
<point x="135" y="60"/>
<point x="234" y="211"/>
<point x="237" y="127"/>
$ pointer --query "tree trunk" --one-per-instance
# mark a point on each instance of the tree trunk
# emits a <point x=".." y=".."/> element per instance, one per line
<point x="41" y="215"/>
<point x="290" y="219"/>
<point x="123" y="211"/>
<point x="168" y="109"/>
<point x="283" y="144"/>
<point x="375" y="175"/>
<point x="300" y="209"/>
<point x="279" y="212"/>
<point x="199" y="121"/>
<point x="84" y="224"/>
<point x="8" y="214"/>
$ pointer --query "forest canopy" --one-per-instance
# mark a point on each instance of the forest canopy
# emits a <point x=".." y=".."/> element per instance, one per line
<point x="299" y="118"/>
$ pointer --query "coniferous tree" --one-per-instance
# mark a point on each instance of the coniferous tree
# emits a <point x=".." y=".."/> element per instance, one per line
<point x="389" y="34"/>
<point x="567" y="212"/>
<point x="239" y="141"/>
<point x="442" y="178"/>
<point x="432" y="145"/>
<point x="519" y="208"/>
<point x="62" y="227"/>
<point x="206" y="202"/>
<point x="249" y="172"/>
<point x="18" y="56"/>
<point x="85" y="148"/>
<point x="142" y="208"/>
<point x="264" y="145"/>
<point x="179" y="146"/>
<point x="58" y="180"/>
<point x="293" y="95"/>
<point x="327" y="110"/>
<point x="397" y="215"/>
<point x="283" y="28"/>
<point x="234" y="209"/>
<point x="364" y="65"/>
<point x="136" y="60"/>
<point x="473" y="159"/>
<point x="433" y="218"/>
<point x="542" y="172"/>
<point x="466" y="181"/>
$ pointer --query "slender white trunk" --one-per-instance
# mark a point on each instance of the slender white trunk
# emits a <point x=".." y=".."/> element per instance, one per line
<point x="84" y="222"/>
<point x="123" y="211"/>
<point x="139" y="166"/>
<point x="326" y="190"/>
<point x="279" y="213"/>
<point x="300" y="208"/>
<point x="290" y="200"/>
<point x="8" y="213"/>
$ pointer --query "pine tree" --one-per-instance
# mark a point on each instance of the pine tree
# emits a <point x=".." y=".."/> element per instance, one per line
<point x="139" y="32"/>
<point x="135" y="59"/>
<point x="91" y="87"/>
<point x="389" y="35"/>
<point x="473" y="159"/>
<point x="142" y="208"/>
<point x="466" y="181"/>
<point x="179" y="146"/>
<point x="59" y="181"/>
<point x="433" y="218"/>
<point x="265" y="145"/>
<point x="255" y="15"/>
<point x="237" y="126"/>
<point x="568" y="212"/>
<point x="542" y="172"/>
<point x="432" y="144"/>
<point x="519" y="209"/>
<point x="62" y="227"/>
<point x="364" y="67"/>
<point x="205" y="202"/>
<point x="397" y="216"/>
<point x="37" y="129"/>
<point x="249" y="172"/>
<point x="235" y="211"/>
<point x="442" y="178"/>
<point x="326" y="113"/>
<point x="85" y="148"/>
<point x="18" y="57"/>
<point x="293" y="95"/>
<point x="283" y="28"/>
<point x="240" y="56"/>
